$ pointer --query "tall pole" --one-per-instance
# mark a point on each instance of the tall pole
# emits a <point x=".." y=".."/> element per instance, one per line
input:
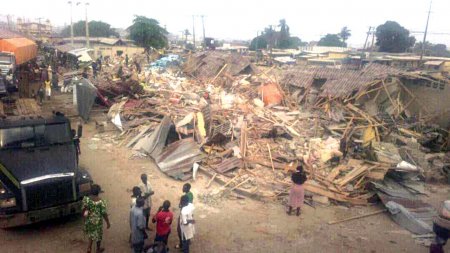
<point x="193" y="30"/>
<point x="203" y="25"/>
<point x="367" y="37"/>
<point x="39" y="28"/>
<point x="425" y="34"/>
<point x="71" y="24"/>
<point x="87" y="27"/>
<point x="373" y="40"/>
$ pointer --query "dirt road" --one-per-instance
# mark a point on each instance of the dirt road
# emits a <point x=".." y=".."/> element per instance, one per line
<point x="241" y="225"/>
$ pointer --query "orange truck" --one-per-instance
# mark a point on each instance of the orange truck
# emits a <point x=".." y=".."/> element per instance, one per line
<point x="13" y="53"/>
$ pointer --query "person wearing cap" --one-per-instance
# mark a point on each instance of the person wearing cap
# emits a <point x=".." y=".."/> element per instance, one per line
<point x="441" y="227"/>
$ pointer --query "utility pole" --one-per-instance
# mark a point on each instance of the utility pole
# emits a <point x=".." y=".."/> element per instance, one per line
<point x="367" y="38"/>
<point x="203" y="25"/>
<point x="39" y="27"/>
<point x="373" y="40"/>
<point x="87" y="27"/>
<point x="193" y="30"/>
<point x="425" y="34"/>
<point x="71" y="23"/>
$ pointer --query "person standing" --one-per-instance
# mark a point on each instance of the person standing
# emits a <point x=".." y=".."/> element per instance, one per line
<point x="136" y="194"/>
<point x="297" y="192"/>
<point x="187" y="192"/>
<point x="163" y="219"/>
<point x="94" y="212"/>
<point x="94" y="69"/>
<point x="441" y="227"/>
<point x="137" y="226"/>
<point x="186" y="223"/>
<point x="147" y="192"/>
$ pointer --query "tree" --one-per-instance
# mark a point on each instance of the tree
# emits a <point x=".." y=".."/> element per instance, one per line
<point x="283" y="37"/>
<point x="393" y="38"/>
<point x="147" y="32"/>
<point x="331" y="40"/>
<point x="345" y="34"/>
<point x="276" y="39"/>
<point x="259" y="42"/>
<point x="96" y="29"/>
<point x="439" y="50"/>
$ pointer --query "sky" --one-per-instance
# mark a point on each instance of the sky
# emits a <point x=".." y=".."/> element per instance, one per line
<point x="242" y="19"/>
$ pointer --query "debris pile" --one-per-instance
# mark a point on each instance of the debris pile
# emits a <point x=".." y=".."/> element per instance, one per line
<point x="350" y="129"/>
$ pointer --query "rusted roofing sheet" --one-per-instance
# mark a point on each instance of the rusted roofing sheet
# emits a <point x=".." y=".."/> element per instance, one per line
<point x="339" y="82"/>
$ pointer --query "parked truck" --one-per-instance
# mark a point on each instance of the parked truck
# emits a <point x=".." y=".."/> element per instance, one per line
<point x="15" y="52"/>
<point x="39" y="174"/>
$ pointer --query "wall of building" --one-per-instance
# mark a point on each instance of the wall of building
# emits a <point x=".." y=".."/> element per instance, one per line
<point x="434" y="97"/>
<point x="337" y="55"/>
<point x="112" y="51"/>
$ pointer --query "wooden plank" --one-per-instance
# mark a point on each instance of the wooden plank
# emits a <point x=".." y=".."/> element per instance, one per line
<point x="389" y="95"/>
<point x="355" y="173"/>
<point x="228" y="164"/>
<point x="358" y="217"/>
<point x="334" y="173"/>
<point x="211" y="180"/>
<point x="270" y="156"/>
<point x="335" y="196"/>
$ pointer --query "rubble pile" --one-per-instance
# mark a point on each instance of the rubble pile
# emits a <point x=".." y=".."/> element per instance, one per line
<point x="350" y="129"/>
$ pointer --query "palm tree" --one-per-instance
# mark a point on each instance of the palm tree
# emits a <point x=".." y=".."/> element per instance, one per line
<point x="345" y="34"/>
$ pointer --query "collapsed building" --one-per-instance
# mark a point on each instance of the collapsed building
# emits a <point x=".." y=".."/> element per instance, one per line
<point x="361" y="135"/>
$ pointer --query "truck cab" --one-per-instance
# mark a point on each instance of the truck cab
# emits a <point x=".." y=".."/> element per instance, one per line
<point x="39" y="174"/>
<point x="8" y="66"/>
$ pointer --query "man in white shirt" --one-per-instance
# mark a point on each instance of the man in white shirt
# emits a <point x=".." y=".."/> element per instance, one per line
<point x="147" y="192"/>
<point x="186" y="223"/>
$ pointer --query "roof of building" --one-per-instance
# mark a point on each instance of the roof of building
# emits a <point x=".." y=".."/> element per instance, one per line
<point x="8" y="34"/>
<point x="434" y="63"/>
<point x="109" y="41"/>
<point x="339" y="82"/>
<point x="68" y="47"/>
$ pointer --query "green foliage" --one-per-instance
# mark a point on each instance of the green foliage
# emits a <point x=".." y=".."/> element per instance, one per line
<point x="96" y="29"/>
<point x="277" y="39"/>
<point x="331" y="40"/>
<point x="345" y="34"/>
<point x="147" y="32"/>
<point x="439" y="50"/>
<point x="393" y="38"/>
<point x="259" y="42"/>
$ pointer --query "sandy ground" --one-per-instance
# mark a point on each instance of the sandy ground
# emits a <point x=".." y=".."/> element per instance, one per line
<point x="233" y="225"/>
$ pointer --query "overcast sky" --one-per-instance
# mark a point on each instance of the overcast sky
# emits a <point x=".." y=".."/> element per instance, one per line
<point x="241" y="19"/>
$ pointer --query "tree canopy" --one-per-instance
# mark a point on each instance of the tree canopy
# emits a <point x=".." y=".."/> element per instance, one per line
<point x="331" y="40"/>
<point x="277" y="39"/>
<point x="439" y="50"/>
<point x="393" y="38"/>
<point x="147" y="32"/>
<point x="96" y="29"/>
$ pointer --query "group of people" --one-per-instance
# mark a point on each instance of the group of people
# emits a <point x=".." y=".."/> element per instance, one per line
<point x="141" y="205"/>
<point x="94" y="212"/>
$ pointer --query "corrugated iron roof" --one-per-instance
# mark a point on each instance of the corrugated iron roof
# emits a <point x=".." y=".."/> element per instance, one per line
<point x="338" y="82"/>
<point x="8" y="34"/>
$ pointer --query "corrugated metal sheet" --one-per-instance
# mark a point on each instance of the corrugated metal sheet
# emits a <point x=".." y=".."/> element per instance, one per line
<point x="178" y="158"/>
<point x="338" y="82"/>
